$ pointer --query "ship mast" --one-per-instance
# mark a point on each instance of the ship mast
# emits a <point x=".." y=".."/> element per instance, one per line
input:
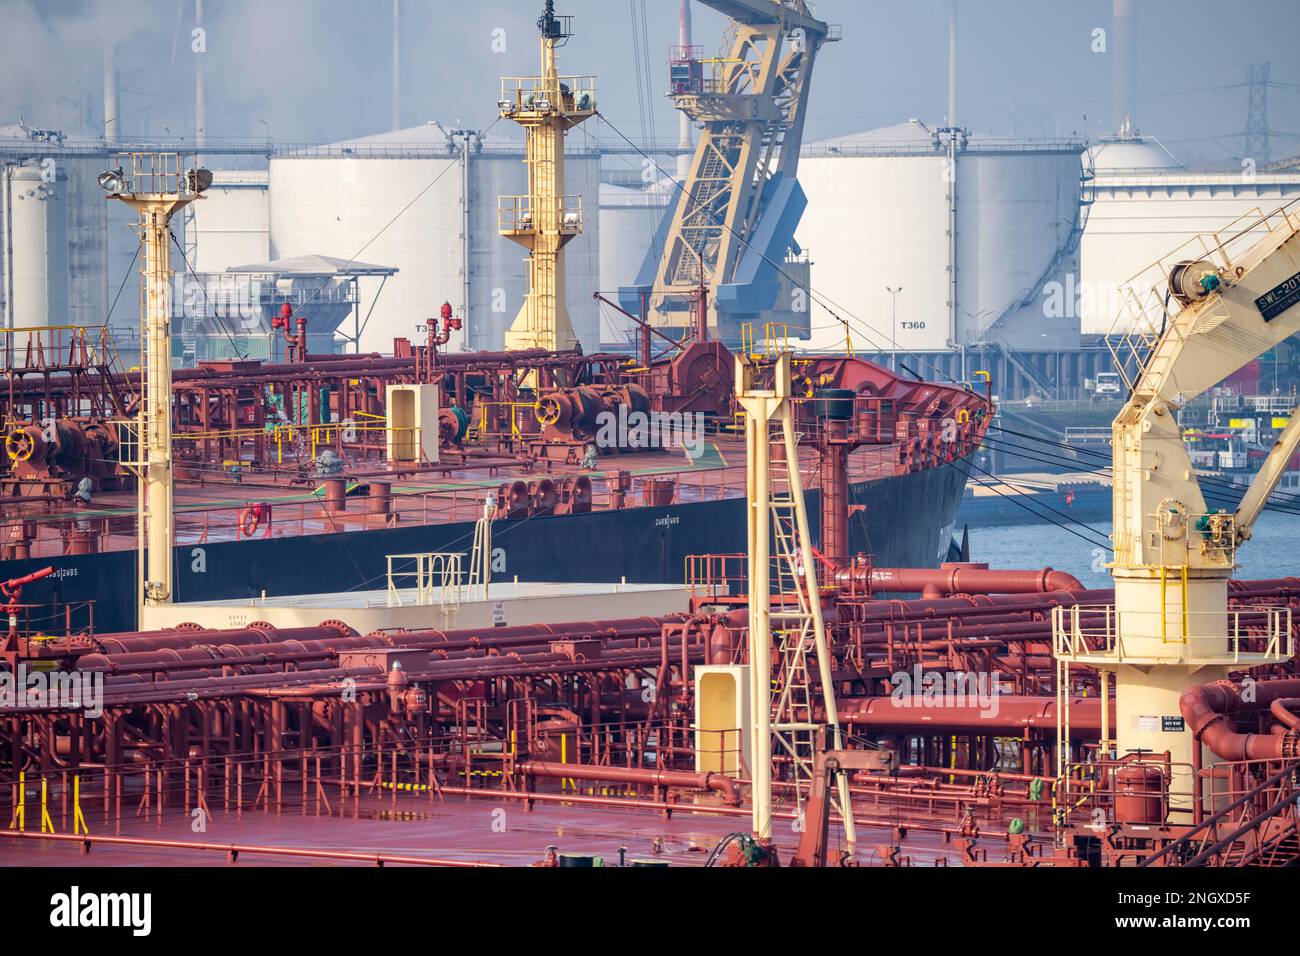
<point x="157" y="189"/>
<point x="545" y="220"/>
<point x="783" y="711"/>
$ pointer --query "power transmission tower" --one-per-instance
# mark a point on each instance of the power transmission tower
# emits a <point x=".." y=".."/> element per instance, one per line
<point x="1257" y="131"/>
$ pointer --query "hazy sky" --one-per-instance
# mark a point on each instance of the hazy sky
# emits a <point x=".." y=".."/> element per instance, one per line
<point x="319" y="70"/>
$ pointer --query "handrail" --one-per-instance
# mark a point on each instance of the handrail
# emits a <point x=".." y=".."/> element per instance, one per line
<point x="1213" y="821"/>
<point x="1072" y="638"/>
<point x="234" y="849"/>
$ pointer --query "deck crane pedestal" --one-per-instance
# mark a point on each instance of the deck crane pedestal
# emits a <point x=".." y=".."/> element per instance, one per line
<point x="1211" y="307"/>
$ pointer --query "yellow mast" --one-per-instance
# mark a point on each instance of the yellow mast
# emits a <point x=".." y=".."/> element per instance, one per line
<point x="157" y="188"/>
<point x="545" y="220"/>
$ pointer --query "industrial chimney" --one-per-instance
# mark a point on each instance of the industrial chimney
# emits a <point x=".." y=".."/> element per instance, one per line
<point x="1124" y="66"/>
<point x="112" y="101"/>
<point x="200" y="91"/>
<point x="397" y="64"/>
<point x="952" y="63"/>
<point x="685" y="139"/>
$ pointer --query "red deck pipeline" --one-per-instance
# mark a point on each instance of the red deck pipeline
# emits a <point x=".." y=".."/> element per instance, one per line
<point x="719" y="783"/>
<point x="338" y="635"/>
<point x="1002" y="712"/>
<point x="966" y="578"/>
<point x="1210" y="707"/>
<point x="233" y="850"/>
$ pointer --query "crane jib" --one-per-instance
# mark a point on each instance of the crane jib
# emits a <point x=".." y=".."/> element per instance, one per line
<point x="1280" y="298"/>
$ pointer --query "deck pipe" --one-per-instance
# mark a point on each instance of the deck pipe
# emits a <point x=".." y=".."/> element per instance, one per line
<point x="1209" y="710"/>
<point x="958" y="578"/>
<point x="1002" y="712"/>
<point x="327" y="681"/>
<point x="335" y="635"/>
<point x="704" y="780"/>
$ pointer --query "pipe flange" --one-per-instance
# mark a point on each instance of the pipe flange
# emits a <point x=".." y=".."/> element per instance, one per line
<point x="1291" y="745"/>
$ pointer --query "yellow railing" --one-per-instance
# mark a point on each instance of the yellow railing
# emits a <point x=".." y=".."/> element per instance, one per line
<point x="517" y="214"/>
<point x="528" y="93"/>
<point x="328" y="435"/>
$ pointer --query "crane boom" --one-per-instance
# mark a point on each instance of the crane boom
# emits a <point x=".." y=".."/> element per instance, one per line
<point x="1217" y="303"/>
<point x="730" y="226"/>
<point x="1234" y="304"/>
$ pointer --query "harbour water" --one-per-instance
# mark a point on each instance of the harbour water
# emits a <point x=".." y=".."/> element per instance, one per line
<point x="1272" y="552"/>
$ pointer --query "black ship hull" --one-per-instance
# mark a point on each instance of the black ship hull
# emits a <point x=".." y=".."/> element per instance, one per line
<point x="906" y="521"/>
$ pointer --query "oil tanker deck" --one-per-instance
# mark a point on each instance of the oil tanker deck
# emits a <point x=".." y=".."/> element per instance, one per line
<point x="274" y="504"/>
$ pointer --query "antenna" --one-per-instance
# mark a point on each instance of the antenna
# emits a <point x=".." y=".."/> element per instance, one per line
<point x="397" y="64"/>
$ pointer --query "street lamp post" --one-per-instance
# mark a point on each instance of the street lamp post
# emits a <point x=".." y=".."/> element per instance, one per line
<point x="893" y="336"/>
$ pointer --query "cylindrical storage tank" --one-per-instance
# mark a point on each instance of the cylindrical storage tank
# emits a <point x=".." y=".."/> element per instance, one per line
<point x="878" y="218"/>
<point x="233" y="222"/>
<point x="88" y="301"/>
<point x="1138" y="790"/>
<point x="629" y="218"/>
<point x="1149" y="208"/>
<point x="332" y="204"/>
<point x="340" y="199"/>
<point x="36" y="243"/>
<point x="1018" y="209"/>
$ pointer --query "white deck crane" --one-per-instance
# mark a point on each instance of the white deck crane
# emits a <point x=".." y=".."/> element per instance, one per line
<point x="1209" y="308"/>
<point x="730" y="226"/>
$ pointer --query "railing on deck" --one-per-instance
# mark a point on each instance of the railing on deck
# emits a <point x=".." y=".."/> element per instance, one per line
<point x="1084" y="631"/>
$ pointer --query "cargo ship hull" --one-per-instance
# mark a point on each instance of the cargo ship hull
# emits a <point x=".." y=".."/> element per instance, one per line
<point x="906" y="520"/>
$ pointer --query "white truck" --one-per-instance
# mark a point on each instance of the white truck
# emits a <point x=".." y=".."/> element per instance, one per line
<point x="1107" y="385"/>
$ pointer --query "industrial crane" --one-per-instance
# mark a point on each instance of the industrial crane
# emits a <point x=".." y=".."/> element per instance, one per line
<point x="730" y="226"/>
<point x="1216" y="304"/>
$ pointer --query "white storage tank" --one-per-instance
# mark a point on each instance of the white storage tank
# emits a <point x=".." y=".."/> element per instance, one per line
<point x="878" y="216"/>
<point x="88" y="211"/>
<point x="87" y="218"/>
<point x="232" y="221"/>
<point x="1147" y="205"/>
<point x="398" y="199"/>
<point x="1019" y="224"/>
<point x="36" y="244"/>
<point x="629" y="217"/>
